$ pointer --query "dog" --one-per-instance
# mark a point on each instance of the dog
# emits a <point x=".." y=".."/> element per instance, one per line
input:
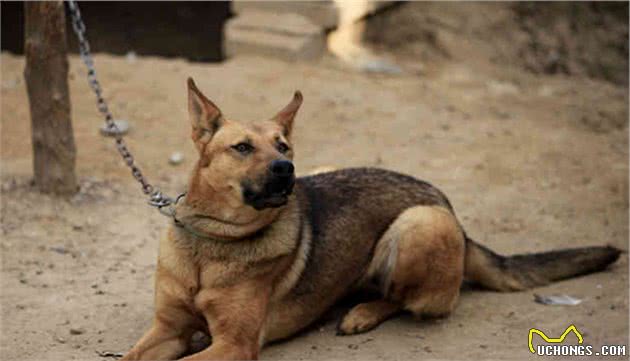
<point x="255" y="254"/>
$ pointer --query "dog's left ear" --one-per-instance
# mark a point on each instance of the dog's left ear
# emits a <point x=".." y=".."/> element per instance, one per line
<point x="285" y="116"/>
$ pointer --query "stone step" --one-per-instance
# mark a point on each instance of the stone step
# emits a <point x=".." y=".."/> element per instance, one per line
<point x="284" y="35"/>
<point x="320" y="13"/>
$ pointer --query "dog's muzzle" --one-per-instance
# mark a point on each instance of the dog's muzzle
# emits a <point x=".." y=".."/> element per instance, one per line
<point x="276" y="190"/>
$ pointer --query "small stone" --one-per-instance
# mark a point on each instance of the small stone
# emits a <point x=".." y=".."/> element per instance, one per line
<point x="59" y="339"/>
<point x="60" y="250"/>
<point x="109" y="354"/>
<point x="176" y="158"/>
<point x="131" y="57"/>
<point x="77" y="331"/>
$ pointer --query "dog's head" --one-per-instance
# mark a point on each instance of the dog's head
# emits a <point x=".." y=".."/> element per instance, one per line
<point x="248" y="164"/>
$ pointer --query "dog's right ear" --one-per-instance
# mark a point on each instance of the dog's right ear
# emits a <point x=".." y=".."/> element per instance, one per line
<point x="205" y="117"/>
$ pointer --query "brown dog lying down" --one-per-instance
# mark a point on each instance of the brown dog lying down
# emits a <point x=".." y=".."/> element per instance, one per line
<point x="255" y="255"/>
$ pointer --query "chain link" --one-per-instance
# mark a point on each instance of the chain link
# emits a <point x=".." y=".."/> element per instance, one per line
<point x="157" y="199"/>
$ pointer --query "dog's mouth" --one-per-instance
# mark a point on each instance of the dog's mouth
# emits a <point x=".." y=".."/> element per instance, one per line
<point x="275" y="193"/>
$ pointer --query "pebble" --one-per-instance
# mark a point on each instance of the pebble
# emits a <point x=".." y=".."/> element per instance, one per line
<point x="380" y="66"/>
<point x="60" y="250"/>
<point x="77" y="331"/>
<point x="109" y="354"/>
<point x="176" y="158"/>
<point x="131" y="57"/>
<point x="59" y="339"/>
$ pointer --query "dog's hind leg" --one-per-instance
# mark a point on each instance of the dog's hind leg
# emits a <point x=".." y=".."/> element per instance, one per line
<point x="429" y="267"/>
<point x="366" y="316"/>
<point x="419" y="265"/>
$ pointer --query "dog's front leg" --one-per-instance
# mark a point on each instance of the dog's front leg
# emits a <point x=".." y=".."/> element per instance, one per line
<point x="159" y="343"/>
<point x="167" y="339"/>
<point x="235" y="317"/>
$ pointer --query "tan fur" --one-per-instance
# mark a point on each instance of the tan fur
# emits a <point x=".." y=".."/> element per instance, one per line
<point x="249" y="274"/>
<point x="419" y="263"/>
<point x="430" y="264"/>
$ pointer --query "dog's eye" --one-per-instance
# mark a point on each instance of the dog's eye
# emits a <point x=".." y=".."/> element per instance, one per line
<point x="243" y="148"/>
<point x="282" y="148"/>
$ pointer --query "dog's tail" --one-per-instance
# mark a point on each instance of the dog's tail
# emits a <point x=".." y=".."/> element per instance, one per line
<point x="519" y="272"/>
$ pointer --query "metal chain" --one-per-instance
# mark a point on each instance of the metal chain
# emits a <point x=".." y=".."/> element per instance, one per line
<point x="157" y="199"/>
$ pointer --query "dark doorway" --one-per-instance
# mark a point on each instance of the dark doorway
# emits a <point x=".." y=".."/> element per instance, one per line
<point x="192" y="30"/>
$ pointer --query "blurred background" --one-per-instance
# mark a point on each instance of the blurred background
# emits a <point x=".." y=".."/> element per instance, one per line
<point x="577" y="38"/>
<point x="518" y="111"/>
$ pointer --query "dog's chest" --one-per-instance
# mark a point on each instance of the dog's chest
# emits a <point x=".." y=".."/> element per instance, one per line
<point x="202" y="275"/>
<point x="187" y="274"/>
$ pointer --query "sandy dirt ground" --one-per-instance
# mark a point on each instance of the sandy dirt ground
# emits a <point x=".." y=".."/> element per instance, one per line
<point x="529" y="162"/>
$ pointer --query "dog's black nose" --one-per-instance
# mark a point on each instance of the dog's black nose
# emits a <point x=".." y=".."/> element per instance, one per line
<point x="281" y="168"/>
